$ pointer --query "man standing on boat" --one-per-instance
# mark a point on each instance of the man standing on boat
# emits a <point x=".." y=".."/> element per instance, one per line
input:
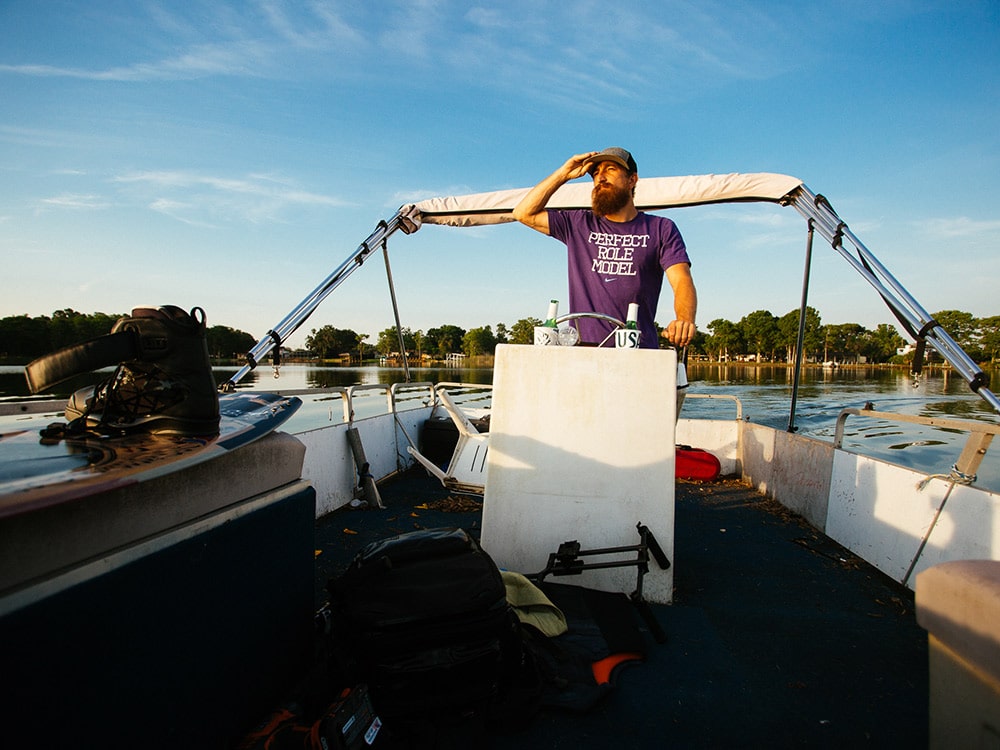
<point x="617" y="254"/>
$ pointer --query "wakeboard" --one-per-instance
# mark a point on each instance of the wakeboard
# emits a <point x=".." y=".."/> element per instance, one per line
<point x="35" y="472"/>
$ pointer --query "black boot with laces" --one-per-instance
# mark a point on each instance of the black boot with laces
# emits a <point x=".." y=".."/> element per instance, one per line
<point x="163" y="383"/>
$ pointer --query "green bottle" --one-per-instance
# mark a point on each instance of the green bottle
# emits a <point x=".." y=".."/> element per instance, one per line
<point x="550" y="321"/>
<point x="632" y="319"/>
<point x="628" y="337"/>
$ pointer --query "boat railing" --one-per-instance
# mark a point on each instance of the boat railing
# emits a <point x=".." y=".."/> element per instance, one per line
<point x="411" y="395"/>
<point x="980" y="435"/>
<point x="399" y="396"/>
<point x="470" y="396"/>
<point x="717" y="397"/>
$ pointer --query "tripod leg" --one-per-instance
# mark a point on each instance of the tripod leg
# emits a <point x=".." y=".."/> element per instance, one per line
<point x="650" y="619"/>
<point x="653" y="546"/>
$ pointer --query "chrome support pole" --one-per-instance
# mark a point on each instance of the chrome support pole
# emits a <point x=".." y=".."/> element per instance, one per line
<point x="291" y="322"/>
<point x="909" y="312"/>
<point x="395" y="312"/>
<point x="802" y="326"/>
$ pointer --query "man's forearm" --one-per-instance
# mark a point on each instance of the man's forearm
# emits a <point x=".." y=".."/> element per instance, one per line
<point x="530" y="211"/>
<point x="538" y="197"/>
<point x="685" y="294"/>
<point x="681" y="330"/>
<point x="686" y="301"/>
<point x="531" y="208"/>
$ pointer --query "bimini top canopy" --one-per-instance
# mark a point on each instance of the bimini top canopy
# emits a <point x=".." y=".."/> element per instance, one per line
<point x="651" y="193"/>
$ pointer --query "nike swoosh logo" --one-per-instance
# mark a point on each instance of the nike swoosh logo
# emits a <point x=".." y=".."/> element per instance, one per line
<point x="613" y="278"/>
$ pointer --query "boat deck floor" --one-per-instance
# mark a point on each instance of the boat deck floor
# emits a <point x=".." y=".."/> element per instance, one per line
<point x="777" y="636"/>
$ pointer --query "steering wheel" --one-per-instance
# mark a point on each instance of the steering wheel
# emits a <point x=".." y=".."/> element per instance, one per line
<point x="569" y="336"/>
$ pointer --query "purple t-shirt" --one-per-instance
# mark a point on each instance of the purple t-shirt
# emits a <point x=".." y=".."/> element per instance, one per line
<point x="614" y="263"/>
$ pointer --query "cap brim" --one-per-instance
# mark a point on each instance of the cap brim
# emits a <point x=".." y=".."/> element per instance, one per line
<point x="593" y="161"/>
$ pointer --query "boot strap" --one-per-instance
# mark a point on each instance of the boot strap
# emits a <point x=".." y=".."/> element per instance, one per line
<point x="102" y="351"/>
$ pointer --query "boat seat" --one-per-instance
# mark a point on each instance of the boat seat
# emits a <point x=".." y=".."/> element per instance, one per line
<point x="466" y="471"/>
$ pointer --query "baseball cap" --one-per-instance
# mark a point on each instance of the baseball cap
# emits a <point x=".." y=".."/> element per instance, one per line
<point x="615" y="154"/>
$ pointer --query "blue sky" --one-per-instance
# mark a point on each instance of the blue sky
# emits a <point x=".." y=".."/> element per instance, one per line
<point x="230" y="155"/>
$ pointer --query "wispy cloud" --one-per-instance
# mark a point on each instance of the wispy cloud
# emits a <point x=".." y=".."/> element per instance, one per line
<point x="959" y="227"/>
<point x="219" y="39"/>
<point x="761" y="214"/>
<point x="43" y="137"/>
<point x="228" y="58"/>
<point x="76" y="201"/>
<point x="580" y="55"/>
<point x="181" y="211"/>
<point x="255" y="184"/>
<point x="203" y="200"/>
<point x="583" y="58"/>
<point x="320" y="27"/>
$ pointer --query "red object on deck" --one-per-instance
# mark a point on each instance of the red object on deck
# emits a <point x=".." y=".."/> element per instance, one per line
<point x="696" y="464"/>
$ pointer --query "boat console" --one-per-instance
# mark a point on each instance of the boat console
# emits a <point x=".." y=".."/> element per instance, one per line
<point x="581" y="447"/>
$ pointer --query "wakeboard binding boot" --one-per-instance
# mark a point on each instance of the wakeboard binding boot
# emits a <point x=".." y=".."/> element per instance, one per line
<point x="163" y="383"/>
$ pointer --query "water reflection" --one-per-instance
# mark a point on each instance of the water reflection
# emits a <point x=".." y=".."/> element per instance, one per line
<point x="766" y="391"/>
<point x="290" y="377"/>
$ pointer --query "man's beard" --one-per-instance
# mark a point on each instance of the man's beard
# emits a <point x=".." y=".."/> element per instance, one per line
<point x="608" y="199"/>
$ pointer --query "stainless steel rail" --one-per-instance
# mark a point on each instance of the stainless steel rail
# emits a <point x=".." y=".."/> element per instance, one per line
<point x="980" y="435"/>
<point x="909" y="312"/>
<point x="291" y="322"/>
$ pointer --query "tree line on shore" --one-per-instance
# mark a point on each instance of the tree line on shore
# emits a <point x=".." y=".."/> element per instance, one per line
<point x="24" y="337"/>
<point x="758" y="336"/>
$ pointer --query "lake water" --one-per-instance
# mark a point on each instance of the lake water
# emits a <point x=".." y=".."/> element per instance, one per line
<point x="765" y="392"/>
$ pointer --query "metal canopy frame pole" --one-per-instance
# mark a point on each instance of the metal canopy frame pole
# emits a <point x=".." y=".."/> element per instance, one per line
<point x="802" y="326"/>
<point x="291" y="322"/>
<point x="908" y="311"/>
<point x="395" y="312"/>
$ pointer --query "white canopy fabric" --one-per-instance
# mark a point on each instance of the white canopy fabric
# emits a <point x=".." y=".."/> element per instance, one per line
<point x="652" y="193"/>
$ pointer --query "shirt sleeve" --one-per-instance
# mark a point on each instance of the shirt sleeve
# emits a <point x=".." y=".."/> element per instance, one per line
<point x="558" y="224"/>
<point x="672" y="248"/>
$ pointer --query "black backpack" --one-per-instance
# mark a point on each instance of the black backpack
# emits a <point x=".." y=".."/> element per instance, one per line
<point x="422" y="618"/>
